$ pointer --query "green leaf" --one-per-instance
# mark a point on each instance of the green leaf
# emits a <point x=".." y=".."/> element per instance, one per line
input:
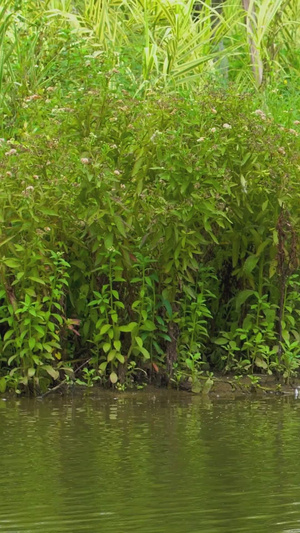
<point x="113" y="377"/>
<point x="242" y="297"/>
<point x="285" y="335"/>
<point x="102" y="366"/>
<point x="106" y="347"/>
<point x="111" y="356"/>
<point x="148" y="325"/>
<point x="250" y="264"/>
<point x="221" y="341"/>
<point x="108" y="241"/>
<point x="117" y="345"/>
<point x="260" y="363"/>
<point x="120" y="358"/>
<point x="51" y="371"/>
<point x="128" y="328"/>
<point x="145" y="352"/>
<point x="11" y="263"/>
<point x="105" y="329"/>
<point x="37" y="280"/>
<point x="120" y="225"/>
<point x="31" y="343"/>
<point x="8" y="334"/>
<point x="30" y="372"/>
<point x="139" y="341"/>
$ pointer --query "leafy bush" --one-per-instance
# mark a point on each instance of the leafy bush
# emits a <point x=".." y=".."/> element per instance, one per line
<point x="157" y="231"/>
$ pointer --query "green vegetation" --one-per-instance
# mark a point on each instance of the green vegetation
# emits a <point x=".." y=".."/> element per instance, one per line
<point x="149" y="192"/>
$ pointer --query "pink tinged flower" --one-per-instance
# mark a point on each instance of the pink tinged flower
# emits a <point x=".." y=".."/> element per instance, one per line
<point x="84" y="160"/>
<point x="227" y="126"/>
<point x="13" y="151"/>
<point x="32" y="97"/>
<point x="201" y="139"/>
<point x="213" y="130"/>
<point x="260" y="113"/>
<point x="9" y="174"/>
<point x="293" y="132"/>
<point x="28" y="190"/>
<point x="296" y="122"/>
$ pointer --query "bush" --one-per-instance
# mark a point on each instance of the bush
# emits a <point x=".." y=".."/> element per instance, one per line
<point x="157" y="233"/>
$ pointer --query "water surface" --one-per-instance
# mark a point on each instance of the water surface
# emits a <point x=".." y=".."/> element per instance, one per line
<point x="156" y="462"/>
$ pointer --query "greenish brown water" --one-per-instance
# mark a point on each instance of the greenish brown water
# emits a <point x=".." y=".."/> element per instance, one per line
<point x="157" y="462"/>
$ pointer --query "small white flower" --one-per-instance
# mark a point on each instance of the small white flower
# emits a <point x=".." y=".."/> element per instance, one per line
<point x="227" y="126"/>
<point x="201" y="139"/>
<point x="13" y="151"/>
<point x="85" y="160"/>
<point x="153" y="137"/>
<point x="117" y="173"/>
<point x="296" y="122"/>
<point x="213" y="130"/>
<point x="213" y="110"/>
<point x="122" y="186"/>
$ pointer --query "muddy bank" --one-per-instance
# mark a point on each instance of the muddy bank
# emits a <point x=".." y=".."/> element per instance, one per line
<point x="217" y="386"/>
<point x="259" y="385"/>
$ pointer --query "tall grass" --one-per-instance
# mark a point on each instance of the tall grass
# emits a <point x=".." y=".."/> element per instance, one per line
<point x="159" y="40"/>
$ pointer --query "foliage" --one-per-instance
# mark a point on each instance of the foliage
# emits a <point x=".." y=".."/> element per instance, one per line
<point x="154" y="230"/>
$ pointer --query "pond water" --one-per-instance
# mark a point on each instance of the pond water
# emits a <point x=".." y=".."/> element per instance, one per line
<point x="149" y="462"/>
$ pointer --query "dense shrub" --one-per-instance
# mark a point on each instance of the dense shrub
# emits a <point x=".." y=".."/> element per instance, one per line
<point x="155" y="234"/>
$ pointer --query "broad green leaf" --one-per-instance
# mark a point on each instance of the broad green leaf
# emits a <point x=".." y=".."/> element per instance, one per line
<point x="250" y="264"/>
<point x="105" y="329"/>
<point x="128" y="328"/>
<point x="139" y="341"/>
<point x="120" y="225"/>
<point x="117" y="345"/>
<point x="242" y="297"/>
<point x="221" y="341"/>
<point x="148" y="325"/>
<point x="51" y="371"/>
<point x="31" y="343"/>
<point x="8" y="334"/>
<point x="11" y="263"/>
<point x="120" y="358"/>
<point x="106" y="347"/>
<point x="113" y="377"/>
<point x="261" y="363"/>
<point x="37" y="280"/>
<point x="111" y="355"/>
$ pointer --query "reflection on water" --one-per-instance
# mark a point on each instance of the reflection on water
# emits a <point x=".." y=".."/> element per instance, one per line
<point x="157" y="462"/>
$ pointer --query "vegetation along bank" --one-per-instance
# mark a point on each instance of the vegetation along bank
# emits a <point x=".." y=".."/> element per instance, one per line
<point x="149" y="229"/>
